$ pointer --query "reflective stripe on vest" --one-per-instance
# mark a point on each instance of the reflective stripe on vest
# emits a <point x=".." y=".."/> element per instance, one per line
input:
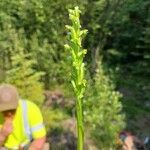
<point x="25" y="120"/>
<point x="28" y="130"/>
<point x="37" y="127"/>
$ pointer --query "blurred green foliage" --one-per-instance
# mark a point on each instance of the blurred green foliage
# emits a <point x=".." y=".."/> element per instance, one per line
<point x="103" y="110"/>
<point x="43" y="23"/>
<point x="52" y="118"/>
<point x="34" y="32"/>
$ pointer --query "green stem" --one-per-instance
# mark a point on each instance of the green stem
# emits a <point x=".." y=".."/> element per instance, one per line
<point x="79" y="125"/>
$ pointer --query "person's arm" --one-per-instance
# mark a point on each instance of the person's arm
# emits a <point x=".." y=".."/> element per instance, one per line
<point x="5" y="130"/>
<point x="37" y="144"/>
<point x="2" y="138"/>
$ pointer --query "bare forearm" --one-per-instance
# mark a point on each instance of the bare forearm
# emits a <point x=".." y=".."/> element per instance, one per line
<point x="37" y="144"/>
<point x="5" y="130"/>
<point x="2" y="139"/>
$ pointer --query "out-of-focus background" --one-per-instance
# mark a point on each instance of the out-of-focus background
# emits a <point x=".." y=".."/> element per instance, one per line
<point x="117" y="97"/>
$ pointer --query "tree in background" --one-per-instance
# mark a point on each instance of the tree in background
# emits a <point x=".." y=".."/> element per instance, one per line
<point x="103" y="110"/>
<point x="43" y="23"/>
<point x="98" y="18"/>
<point x="127" y="43"/>
<point x="118" y="30"/>
<point x="22" y="73"/>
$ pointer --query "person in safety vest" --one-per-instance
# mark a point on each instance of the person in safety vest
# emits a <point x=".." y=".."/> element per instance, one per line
<point x="21" y="122"/>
